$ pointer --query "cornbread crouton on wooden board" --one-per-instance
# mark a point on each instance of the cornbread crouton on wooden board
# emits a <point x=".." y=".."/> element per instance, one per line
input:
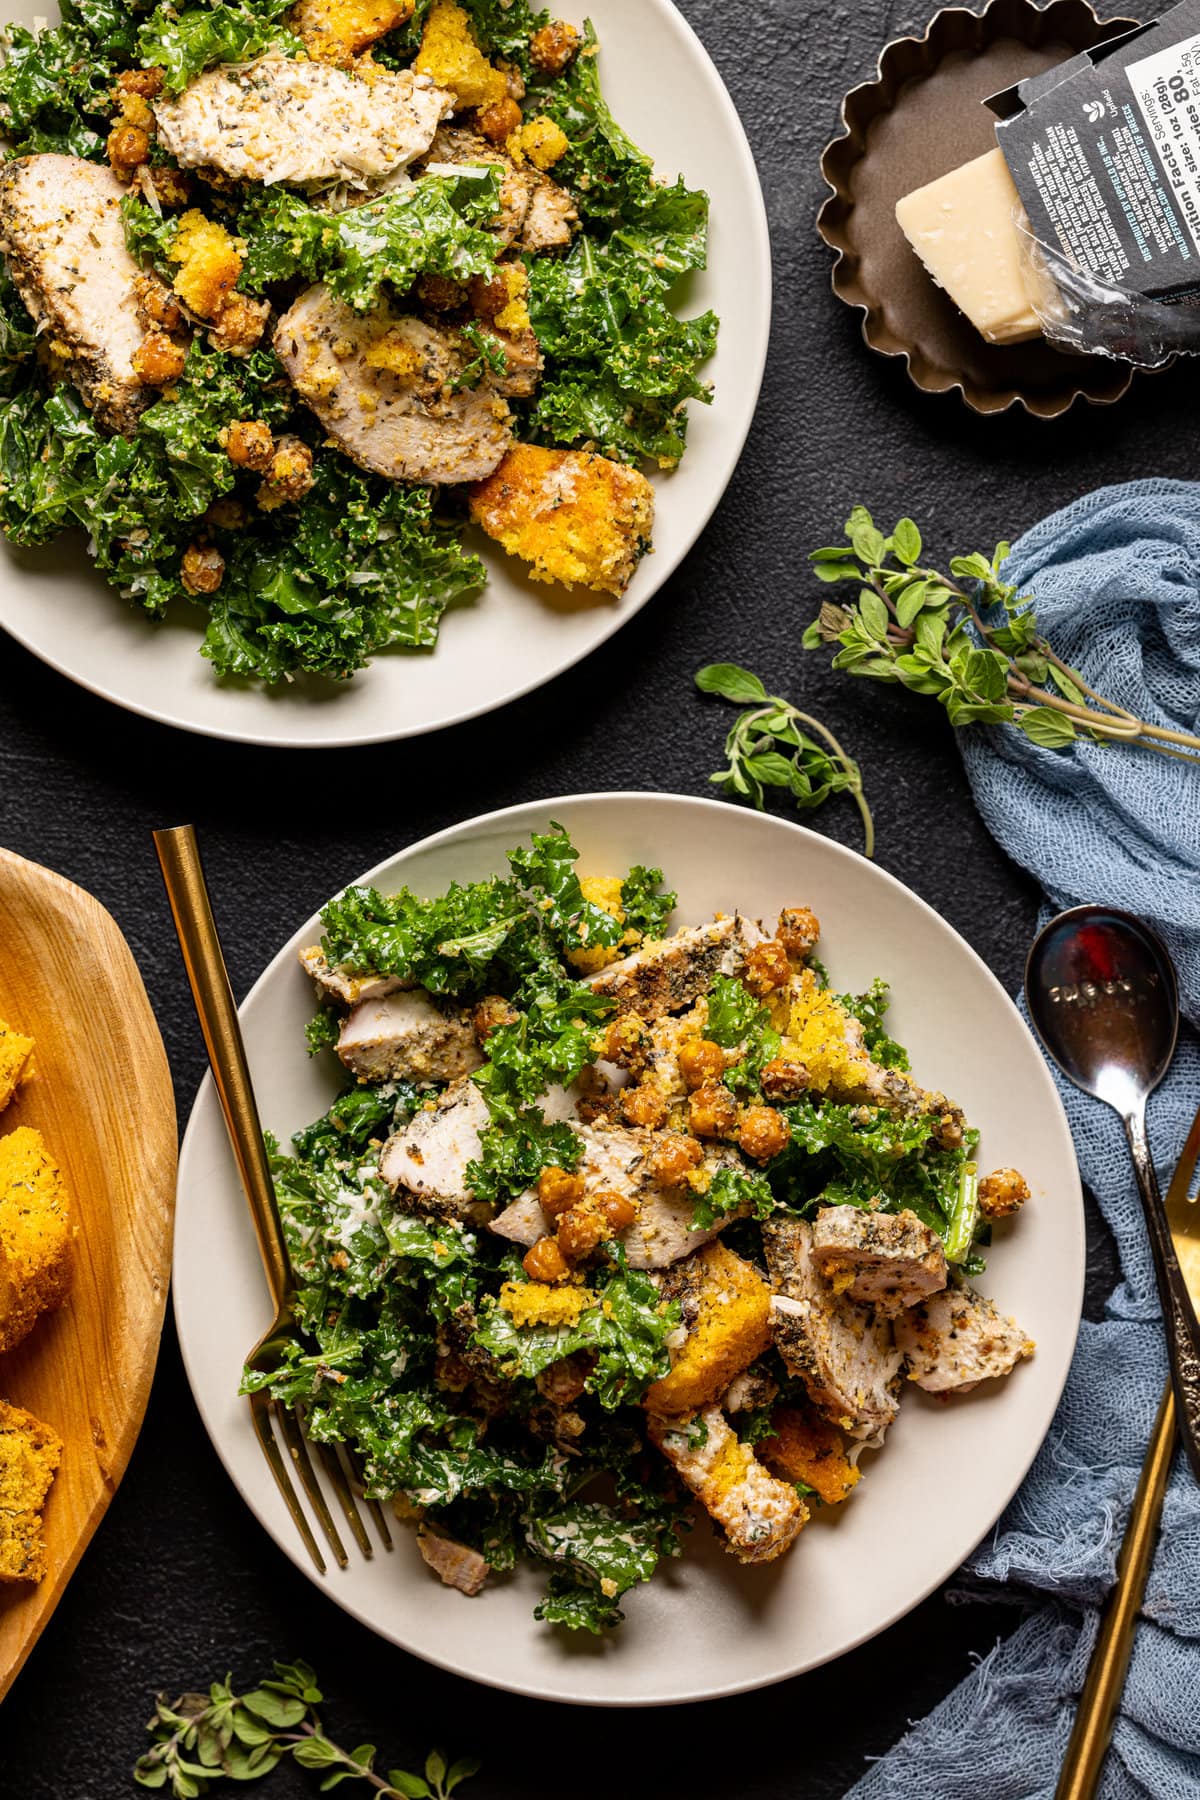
<point x="576" y="518"/>
<point x="30" y="1453"/>
<point x="15" y="1052"/>
<point x="35" y="1235"/>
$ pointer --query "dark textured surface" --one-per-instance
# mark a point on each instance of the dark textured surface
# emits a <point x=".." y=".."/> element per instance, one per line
<point x="180" y="1584"/>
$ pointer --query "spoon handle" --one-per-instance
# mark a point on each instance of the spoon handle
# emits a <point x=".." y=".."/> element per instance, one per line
<point x="1183" y="1331"/>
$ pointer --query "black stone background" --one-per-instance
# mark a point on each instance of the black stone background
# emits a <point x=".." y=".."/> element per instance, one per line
<point x="180" y="1583"/>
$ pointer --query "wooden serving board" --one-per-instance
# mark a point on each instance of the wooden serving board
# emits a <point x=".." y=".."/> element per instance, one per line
<point x="101" y="1096"/>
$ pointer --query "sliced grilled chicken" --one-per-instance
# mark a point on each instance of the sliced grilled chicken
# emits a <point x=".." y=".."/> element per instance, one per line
<point x="425" y="1164"/>
<point x="383" y="386"/>
<point x="523" y="364"/>
<point x="457" y="1565"/>
<point x="674" y="973"/>
<point x="550" y="219"/>
<point x="759" y="1516"/>
<point x="614" y="1161"/>
<point x="340" y="984"/>
<point x="535" y="213"/>
<point x="889" y="1260"/>
<point x="407" y="1037"/>
<point x="304" y="123"/>
<point x="61" y="230"/>
<point x="844" y="1353"/>
<point x="956" y="1339"/>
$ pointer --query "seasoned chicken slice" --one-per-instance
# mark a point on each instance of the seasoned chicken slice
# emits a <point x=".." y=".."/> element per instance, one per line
<point x="340" y="984"/>
<point x="725" y="1308"/>
<point x="61" y="230"/>
<point x="667" y="976"/>
<point x="535" y="213"/>
<point x="425" y="1164"/>
<point x="576" y="518"/>
<point x="301" y="122"/>
<point x="614" y="1160"/>
<point x="759" y="1516"/>
<point x="407" y="1037"/>
<point x="383" y="386"/>
<point x="457" y="1565"/>
<point x="888" y="1260"/>
<point x="956" y="1339"/>
<point x="551" y="217"/>
<point x="843" y="1352"/>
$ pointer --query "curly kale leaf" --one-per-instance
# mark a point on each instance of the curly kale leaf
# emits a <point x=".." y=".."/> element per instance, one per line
<point x="646" y="904"/>
<point x="18" y="337"/>
<point x="55" y="89"/>
<point x="357" y="1116"/>
<point x="732" y="1192"/>
<point x="736" y="1020"/>
<point x="600" y="1552"/>
<point x="444" y="944"/>
<point x="513" y="1153"/>
<point x="185" y="43"/>
<point x="436" y="226"/>
<point x="628" y="1329"/>
<point x="870" y="1009"/>
<point x="547" y="870"/>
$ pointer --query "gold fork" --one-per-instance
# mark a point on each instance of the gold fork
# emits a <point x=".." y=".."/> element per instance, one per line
<point x="187" y="892"/>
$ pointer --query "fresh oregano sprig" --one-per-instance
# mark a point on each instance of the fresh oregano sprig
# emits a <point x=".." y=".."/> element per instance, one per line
<point x="969" y="639"/>
<point x="769" y="746"/>
<point x="202" y="1739"/>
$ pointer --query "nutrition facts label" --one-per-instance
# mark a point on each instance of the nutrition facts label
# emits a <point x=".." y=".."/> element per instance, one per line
<point x="1166" y="87"/>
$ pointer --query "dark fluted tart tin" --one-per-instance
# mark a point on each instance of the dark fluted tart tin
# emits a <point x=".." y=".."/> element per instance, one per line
<point x="921" y="116"/>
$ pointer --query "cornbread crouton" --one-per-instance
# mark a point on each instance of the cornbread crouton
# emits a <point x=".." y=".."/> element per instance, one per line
<point x="15" y="1051"/>
<point x="336" y="30"/>
<point x="808" y="1448"/>
<point x="603" y="891"/>
<point x="452" y="59"/>
<point x="759" y="1516"/>
<point x="889" y="1260"/>
<point x="726" y="1307"/>
<point x="956" y="1339"/>
<point x="536" y="1303"/>
<point x="576" y="518"/>
<point x="35" y="1235"/>
<point x="210" y="263"/>
<point x="541" y="141"/>
<point x="30" y="1453"/>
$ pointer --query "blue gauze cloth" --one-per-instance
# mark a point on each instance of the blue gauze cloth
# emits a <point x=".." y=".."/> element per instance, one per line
<point x="1116" y="578"/>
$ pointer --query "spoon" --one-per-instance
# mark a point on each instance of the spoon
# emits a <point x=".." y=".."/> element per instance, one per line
<point x="1104" y="1001"/>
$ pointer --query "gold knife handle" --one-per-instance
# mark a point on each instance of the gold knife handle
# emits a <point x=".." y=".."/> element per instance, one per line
<point x="1114" y="1639"/>
<point x="1182" y="1328"/>
<point x="187" y="892"/>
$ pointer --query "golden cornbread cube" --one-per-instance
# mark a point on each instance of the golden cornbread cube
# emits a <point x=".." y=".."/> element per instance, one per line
<point x="14" y="1061"/>
<point x="576" y="518"/>
<point x="452" y="59"/>
<point x="210" y="263"/>
<point x="808" y="1448"/>
<point x="759" y="1516"/>
<point x="726" y="1307"/>
<point x="30" y="1453"/>
<point x="35" y="1235"/>
<point x="336" y="30"/>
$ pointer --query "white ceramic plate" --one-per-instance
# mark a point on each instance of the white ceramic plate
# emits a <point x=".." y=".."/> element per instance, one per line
<point x="516" y="634"/>
<point x="704" y="1626"/>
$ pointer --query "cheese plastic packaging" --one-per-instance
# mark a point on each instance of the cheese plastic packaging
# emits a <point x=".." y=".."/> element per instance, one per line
<point x="965" y="227"/>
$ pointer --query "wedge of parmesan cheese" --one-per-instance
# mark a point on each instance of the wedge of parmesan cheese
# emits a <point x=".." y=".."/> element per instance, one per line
<point x="964" y="228"/>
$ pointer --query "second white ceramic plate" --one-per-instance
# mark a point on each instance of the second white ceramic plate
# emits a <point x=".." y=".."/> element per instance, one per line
<point x="704" y="1626"/>
<point x="516" y="634"/>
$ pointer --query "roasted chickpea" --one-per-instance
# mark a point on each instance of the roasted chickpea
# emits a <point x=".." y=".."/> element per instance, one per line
<point x="545" y="1262"/>
<point x="156" y="305"/>
<point x="157" y="361"/>
<point x="712" y="1111"/>
<point x="767" y="968"/>
<point x="671" y="1159"/>
<point x="1002" y="1193"/>
<point x="798" y="931"/>
<point x="290" y="475"/>
<point x="173" y="187"/>
<point x="499" y="121"/>
<point x="763" y="1132"/>
<point x="783" y="1079"/>
<point x="644" y="1105"/>
<point x="627" y="1041"/>
<point x="580" y="1230"/>
<point x="239" y="324"/>
<point x="441" y="294"/>
<point x="564" y="1381"/>
<point x="492" y="1012"/>
<point x="949" y="1132"/>
<point x="701" y="1060"/>
<point x="201" y="569"/>
<point x="226" y="515"/>
<point x="128" y="147"/>
<point x="558" y="1191"/>
<point x="554" y="46"/>
<point x="617" y="1210"/>
<point x="489" y="295"/>
<point x="146" y="82"/>
<point x="249" y="444"/>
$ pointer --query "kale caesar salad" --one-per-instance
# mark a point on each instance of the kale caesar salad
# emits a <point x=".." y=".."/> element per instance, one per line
<point x="295" y="290"/>
<point x="610" y="1218"/>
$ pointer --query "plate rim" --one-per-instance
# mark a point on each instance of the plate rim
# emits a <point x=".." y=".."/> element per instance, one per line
<point x="205" y="1096"/>
<point x="733" y="441"/>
